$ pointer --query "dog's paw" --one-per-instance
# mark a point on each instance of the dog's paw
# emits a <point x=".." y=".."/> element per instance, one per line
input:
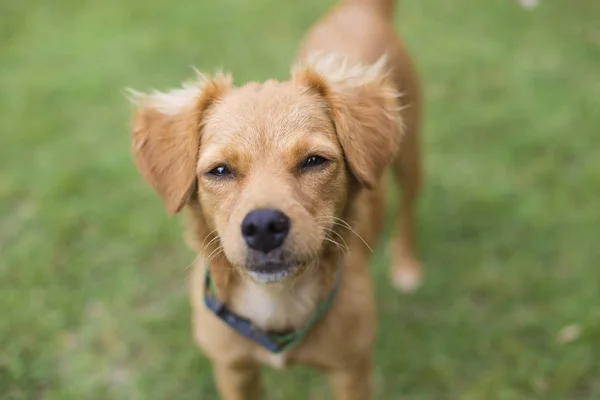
<point x="407" y="275"/>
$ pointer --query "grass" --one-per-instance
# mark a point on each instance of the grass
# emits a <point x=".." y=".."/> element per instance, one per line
<point x="92" y="271"/>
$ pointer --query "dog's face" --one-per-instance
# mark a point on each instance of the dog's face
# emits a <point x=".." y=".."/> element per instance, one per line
<point x="271" y="163"/>
<point x="271" y="177"/>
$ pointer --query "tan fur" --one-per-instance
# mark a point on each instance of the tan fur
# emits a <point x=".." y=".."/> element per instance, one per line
<point x="363" y="30"/>
<point x="342" y="103"/>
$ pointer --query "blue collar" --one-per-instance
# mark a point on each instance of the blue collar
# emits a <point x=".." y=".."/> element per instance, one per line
<point x="272" y="341"/>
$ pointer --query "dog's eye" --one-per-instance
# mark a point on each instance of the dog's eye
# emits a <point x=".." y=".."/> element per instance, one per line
<point x="221" y="170"/>
<point x="314" y="161"/>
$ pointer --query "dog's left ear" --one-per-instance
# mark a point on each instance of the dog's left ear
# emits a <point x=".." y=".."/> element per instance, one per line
<point x="363" y="104"/>
<point x="166" y="136"/>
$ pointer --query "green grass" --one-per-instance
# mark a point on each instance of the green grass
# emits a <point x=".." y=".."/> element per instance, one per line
<point x="93" y="295"/>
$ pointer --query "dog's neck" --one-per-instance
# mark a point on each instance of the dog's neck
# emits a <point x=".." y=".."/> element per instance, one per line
<point x="281" y="307"/>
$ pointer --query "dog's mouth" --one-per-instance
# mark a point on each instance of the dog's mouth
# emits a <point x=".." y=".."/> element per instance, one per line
<point x="272" y="273"/>
<point x="273" y="267"/>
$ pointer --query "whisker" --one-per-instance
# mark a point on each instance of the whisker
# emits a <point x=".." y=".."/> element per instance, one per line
<point x="206" y="237"/>
<point x="338" y="246"/>
<point x="344" y="224"/>
<point x="340" y="236"/>
<point x="209" y="243"/>
<point x="191" y="263"/>
<point x="336" y="219"/>
<point x="214" y="254"/>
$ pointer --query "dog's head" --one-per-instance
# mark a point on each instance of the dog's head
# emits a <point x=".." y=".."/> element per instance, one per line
<point x="270" y="165"/>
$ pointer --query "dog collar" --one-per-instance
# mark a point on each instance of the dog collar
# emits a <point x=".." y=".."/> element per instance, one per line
<point x="272" y="341"/>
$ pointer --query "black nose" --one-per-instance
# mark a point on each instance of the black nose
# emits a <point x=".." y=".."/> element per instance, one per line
<point x="265" y="229"/>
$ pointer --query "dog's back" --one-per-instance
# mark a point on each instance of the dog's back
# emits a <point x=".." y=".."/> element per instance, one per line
<point x="361" y="29"/>
<point x="364" y="31"/>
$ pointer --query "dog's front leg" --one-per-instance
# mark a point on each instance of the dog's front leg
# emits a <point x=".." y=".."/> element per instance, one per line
<point x="355" y="383"/>
<point x="239" y="382"/>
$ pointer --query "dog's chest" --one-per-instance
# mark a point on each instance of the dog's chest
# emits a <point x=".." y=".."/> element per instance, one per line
<point x="276" y="308"/>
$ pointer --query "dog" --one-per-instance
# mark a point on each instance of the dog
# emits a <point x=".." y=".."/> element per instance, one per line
<point x="283" y="185"/>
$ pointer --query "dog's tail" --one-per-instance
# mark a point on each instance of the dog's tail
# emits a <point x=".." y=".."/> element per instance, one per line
<point x="382" y="7"/>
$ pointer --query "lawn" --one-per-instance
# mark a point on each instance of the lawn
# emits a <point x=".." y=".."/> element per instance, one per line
<point x="93" y="273"/>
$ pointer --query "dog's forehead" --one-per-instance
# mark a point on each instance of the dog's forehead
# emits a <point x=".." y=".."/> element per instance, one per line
<point x="267" y="112"/>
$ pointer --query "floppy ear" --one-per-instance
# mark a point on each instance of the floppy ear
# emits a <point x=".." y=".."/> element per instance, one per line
<point x="166" y="136"/>
<point x="364" y="107"/>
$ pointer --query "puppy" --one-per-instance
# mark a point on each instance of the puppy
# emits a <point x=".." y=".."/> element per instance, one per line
<point x="284" y="188"/>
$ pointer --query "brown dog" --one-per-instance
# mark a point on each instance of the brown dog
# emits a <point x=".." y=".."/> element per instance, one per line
<point x="284" y="183"/>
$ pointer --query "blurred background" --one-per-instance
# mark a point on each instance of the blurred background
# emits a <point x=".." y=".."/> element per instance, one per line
<point x="93" y="295"/>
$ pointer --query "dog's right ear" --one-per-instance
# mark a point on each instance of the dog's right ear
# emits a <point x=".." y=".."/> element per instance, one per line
<point x="166" y="136"/>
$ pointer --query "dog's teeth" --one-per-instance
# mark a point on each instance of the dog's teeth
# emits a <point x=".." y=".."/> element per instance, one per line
<point x="262" y="277"/>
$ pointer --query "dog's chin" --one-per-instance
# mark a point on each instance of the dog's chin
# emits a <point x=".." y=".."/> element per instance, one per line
<point x="272" y="274"/>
